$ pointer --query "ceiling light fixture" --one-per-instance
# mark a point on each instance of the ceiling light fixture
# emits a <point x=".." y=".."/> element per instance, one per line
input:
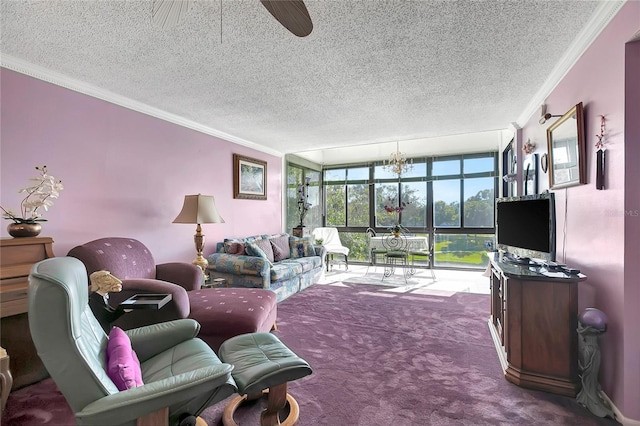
<point x="397" y="162"/>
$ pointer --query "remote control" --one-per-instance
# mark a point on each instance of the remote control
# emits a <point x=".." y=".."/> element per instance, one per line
<point x="572" y="271"/>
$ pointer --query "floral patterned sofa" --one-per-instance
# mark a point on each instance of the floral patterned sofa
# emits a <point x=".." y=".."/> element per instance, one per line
<point x="281" y="263"/>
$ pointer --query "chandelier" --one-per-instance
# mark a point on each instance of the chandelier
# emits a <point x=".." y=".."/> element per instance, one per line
<point x="397" y="162"/>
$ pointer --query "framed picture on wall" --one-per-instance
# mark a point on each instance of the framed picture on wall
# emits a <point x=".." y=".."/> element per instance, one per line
<point x="249" y="178"/>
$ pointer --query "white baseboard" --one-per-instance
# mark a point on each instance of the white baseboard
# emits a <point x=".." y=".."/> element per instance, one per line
<point x="619" y="417"/>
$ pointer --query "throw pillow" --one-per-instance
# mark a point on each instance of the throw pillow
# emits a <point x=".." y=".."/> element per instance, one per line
<point x="280" y="246"/>
<point x="236" y="248"/>
<point x="123" y="366"/>
<point x="253" y="250"/>
<point x="301" y="247"/>
<point x="265" y="246"/>
<point x="229" y="242"/>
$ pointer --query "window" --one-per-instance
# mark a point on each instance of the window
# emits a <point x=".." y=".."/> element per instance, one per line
<point x="446" y="203"/>
<point x="347" y="197"/>
<point x="449" y="199"/>
<point x="478" y="202"/>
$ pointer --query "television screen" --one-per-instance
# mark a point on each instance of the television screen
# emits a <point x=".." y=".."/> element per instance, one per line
<point x="527" y="223"/>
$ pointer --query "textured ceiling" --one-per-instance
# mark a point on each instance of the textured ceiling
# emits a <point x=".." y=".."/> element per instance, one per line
<point x="371" y="71"/>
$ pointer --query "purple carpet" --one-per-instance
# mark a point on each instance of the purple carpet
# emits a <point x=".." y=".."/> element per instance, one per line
<point x="379" y="358"/>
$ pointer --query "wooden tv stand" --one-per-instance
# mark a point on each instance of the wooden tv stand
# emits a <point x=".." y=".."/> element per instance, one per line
<point x="533" y="325"/>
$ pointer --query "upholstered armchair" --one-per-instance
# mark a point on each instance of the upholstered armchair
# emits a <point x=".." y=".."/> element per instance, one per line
<point x="132" y="262"/>
<point x="181" y="374"/>
<point x="222" y="312"/>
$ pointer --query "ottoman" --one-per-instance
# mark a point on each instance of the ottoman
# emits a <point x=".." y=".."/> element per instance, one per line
<point x="262" y="363"/>
<point x="227" y="312"/>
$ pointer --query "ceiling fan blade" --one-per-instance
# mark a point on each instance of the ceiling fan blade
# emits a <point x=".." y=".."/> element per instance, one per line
<point x="292" y="14"/>
<point x="168" y="13"/>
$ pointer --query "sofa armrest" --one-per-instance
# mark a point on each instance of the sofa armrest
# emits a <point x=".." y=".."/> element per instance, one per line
<point x="178" y="307"/>
<point x="320" y="250"/>
<point x="239" y="264"/>
<point x="186" y="275"/>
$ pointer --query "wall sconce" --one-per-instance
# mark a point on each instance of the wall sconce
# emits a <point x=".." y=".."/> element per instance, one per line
<point x="544" y="115"/>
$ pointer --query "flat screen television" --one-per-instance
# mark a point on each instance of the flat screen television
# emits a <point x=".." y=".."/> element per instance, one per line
<point x="526" y="226"/>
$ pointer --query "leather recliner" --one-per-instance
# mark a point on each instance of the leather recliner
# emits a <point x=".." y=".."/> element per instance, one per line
<point x="181" y="373"/>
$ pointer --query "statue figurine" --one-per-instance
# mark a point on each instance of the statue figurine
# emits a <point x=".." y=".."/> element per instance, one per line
<point x="102" y="283"/>
<point x="591" y="323"/>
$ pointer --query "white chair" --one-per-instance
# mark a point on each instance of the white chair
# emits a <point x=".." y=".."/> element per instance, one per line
<point x="331" y="241"/>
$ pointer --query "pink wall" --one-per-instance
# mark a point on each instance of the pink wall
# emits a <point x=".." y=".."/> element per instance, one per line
<point x="593" y="239"/>
<point x="125" y="173"/>
<point x="632" y="227"/>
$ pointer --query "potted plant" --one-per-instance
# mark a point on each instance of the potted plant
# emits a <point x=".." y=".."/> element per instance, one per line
<point x="39" y="197"/>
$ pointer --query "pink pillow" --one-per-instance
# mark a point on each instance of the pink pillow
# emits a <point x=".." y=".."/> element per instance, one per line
<point x="280" y="246"/>
<point x="236" y="248"/>
<point x="265" y="245"/>
<point x="123" y="366"/>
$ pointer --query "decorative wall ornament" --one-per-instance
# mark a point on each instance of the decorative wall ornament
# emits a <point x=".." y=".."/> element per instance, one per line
<point x="544" y="162"/>
<point x="512" y="174"/>
<point x="600" y="155"/>
<point x="530" y="174"/>
<point x="529" y="147"/>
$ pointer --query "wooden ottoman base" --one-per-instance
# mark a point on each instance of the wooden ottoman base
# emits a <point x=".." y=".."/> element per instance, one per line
<point x="278" y="399"/>
<point x="263" y="364"/>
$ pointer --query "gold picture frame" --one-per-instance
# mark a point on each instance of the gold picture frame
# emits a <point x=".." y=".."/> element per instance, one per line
<point x="249" y="178"/>
<point x="566" y="148"/>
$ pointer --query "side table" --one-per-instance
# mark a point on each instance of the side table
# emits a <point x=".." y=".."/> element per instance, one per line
<point x="215" y="283"/>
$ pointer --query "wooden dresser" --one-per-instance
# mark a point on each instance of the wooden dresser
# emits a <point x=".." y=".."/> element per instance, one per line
<point x="17" y="256"/>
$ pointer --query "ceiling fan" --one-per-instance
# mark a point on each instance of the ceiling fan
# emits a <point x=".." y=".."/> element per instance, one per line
<point x="292" y="14"/>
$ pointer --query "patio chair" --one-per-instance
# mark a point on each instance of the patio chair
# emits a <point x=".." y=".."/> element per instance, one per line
<point x="374" y="251"/>
<point x="331" y="241"/>
<point x="422" y="258"/>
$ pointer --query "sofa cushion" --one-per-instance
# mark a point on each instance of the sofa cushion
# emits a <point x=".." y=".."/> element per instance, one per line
<point x="306" y="263"/>
<point x="231" y="242"/>
<point x="236" y="248"/>
<point x="254" y="250"/>
<point x="285" y="270"/>
<point x="265" y="246"/>
<point x="280" y="246"/>
<point x="301" y="247"/>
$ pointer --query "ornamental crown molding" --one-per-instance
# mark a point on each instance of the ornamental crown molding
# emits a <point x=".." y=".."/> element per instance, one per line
<point x="53" y="77"/>
<point x="603" y="14"/>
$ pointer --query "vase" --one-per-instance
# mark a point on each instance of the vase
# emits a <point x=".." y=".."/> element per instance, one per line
<point x="19" y="230"/>
<point x="396" y="234"/>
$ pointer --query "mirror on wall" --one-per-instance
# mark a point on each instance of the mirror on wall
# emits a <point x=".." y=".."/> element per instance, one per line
<point x="566" y="149"/>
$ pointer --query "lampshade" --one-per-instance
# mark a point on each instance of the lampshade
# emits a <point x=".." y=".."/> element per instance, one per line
<point x="199" y="209"/>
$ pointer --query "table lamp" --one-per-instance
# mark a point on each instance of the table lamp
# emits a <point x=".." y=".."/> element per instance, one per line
<point x="199" y="209"/>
